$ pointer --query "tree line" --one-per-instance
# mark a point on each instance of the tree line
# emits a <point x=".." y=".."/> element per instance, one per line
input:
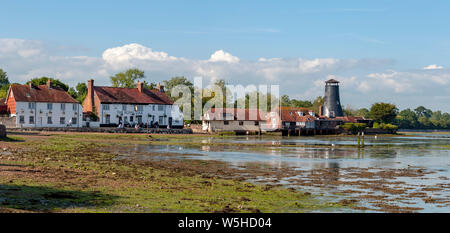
<point x="381" y="113"/>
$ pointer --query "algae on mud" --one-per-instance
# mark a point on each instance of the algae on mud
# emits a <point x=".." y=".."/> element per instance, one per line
<point x="80" y="173"/>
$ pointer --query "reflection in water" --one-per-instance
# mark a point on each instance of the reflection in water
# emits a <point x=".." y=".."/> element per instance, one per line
<point x="332" y="154"/>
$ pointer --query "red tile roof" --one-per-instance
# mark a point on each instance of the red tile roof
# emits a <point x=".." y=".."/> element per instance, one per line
<point x="41" y="93"/>
<point x="290" y="114"/>
<point x="237" y="114"/>
<point x="131" y="96"/>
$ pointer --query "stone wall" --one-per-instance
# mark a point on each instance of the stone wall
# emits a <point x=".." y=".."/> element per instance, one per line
<point x="108" y="130"/>
<point x="9" y="122"/>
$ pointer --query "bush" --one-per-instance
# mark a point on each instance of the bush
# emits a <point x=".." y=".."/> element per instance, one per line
<point x="384" y="126"/>
<point x="354" y="127"/>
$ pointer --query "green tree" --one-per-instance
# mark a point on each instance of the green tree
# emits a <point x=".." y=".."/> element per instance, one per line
<point x="407" y="119"/>
<point x="127" y="79"/>
<point x="421" y="111"/>
<point x="175" y="81"/>
<point x="383" y="112"/>
<point x="285" y="101"/>
<point x="4" y="84"/>
<point x="43" y="81"/>
<point x="317" y="103"/>
<point x="363" y="112"/>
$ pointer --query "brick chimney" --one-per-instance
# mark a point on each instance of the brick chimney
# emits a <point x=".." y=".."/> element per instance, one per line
<point x="160" y="87"/>
<point x="88" y="102"/>
<point x="49" y="83"/>
<point x="140" y="86"/>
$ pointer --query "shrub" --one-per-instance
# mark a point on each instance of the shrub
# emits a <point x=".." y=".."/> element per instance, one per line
<point x="354" y="127"/>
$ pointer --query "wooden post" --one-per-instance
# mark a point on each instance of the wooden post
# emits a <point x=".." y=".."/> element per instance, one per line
<point x="362" y="139"/>
<point x="359" y="139"/>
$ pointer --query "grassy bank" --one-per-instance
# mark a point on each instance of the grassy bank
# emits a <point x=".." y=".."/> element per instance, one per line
<point x="81" y="173"/>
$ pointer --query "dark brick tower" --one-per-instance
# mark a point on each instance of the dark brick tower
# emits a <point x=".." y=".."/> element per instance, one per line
<point x="332" y="103"/>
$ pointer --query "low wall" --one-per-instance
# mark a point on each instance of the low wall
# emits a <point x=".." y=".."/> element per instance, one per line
<point x="2" y="131"/>
<point x="107" y="130"/>
<point x="9" y="122"/>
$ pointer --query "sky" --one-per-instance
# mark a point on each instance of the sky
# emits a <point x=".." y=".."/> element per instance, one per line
<point x="390" y="51"/>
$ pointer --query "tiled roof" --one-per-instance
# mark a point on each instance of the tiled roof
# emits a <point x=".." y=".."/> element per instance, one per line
<point x="236" y="114"/>
<point x="332" y="81"/>
<point x="131" y="95"/>
<point x="41" y="93"/>
<point x="291" y="114"/>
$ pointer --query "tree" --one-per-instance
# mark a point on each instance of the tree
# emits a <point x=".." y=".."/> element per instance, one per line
<point x="4" y="84"/>
<point x="362" y="112"/>
<point x="421" y="111"/>
<point x="383" y="112"/>
<point x="43" y="81"/>
<point x="285" y="101"/>
<point x="407" y="119"/>
<point x="127" y="79"/>
<point x="301" y="103"/>
<point x="317" y="103"/>
<point x="175" y="81"/>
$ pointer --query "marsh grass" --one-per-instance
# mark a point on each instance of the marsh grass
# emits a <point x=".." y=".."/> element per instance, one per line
<point x="87" y="177"/>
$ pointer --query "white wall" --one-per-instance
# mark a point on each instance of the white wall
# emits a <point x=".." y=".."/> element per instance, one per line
<point x="233" y="125"/>
<point x="40" y="112"/>
<point x="149" y="113"/>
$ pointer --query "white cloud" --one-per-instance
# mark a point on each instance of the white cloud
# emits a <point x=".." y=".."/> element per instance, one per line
<point x="125" y="55"/>
<point x="222" y="56"/>
<point x="433" y="67"/>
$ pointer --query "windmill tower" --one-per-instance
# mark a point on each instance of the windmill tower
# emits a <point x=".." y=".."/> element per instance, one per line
<point x="332" y="103"/>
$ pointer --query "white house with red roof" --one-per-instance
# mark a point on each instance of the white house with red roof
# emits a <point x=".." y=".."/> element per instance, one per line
<point x="43" y="106"/>
<point x="234" y="119"/>
<point x="116" y="105"/>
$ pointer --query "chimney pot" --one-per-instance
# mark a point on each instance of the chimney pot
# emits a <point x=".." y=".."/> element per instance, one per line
<point x="49" y="83"/>
<point x="140" y="86"/>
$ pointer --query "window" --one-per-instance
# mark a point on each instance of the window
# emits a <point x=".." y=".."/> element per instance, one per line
<point x="31" y="120"/>
<point x="124" y="107"/>
<point x="74" y="120"/>
<point x="139" y="119"/>
<point x="49" y="106"/>
<point x="63" y="107"/>
<point x="31" y="105"/>
<point x="161" y="120"/>
<point x="108" y="120"/>
<point x="62" y="120"/>
<point x="153" y="107"/>
<point x="74" y="107"/>
<point x="131" y="119"/>
<point x="138" y="108"/>
<point x="160" y="107"/>
<point x="241" y="123"/>
<point x="21" y="119"/>
<point x="105" y="106"/>
<point x="256" y="122"/>
<point x="226" y="123"/>
<point x="49" y="120"/>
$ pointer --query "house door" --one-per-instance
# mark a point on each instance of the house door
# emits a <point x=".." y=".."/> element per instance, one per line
<point x="170" y="121"/>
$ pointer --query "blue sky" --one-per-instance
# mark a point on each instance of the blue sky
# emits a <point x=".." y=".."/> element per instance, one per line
<point x="389" y="41"/>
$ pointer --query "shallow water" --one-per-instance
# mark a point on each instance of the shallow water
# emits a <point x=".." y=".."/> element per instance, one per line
<point x="427" y="151"/>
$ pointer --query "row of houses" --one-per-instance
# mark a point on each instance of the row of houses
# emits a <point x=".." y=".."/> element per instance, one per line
<point x="50" y="106"/>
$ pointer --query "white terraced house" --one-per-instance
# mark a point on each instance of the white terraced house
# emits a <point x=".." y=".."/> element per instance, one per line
<point x="43" y="106"/>
<point x="116" y="105"/>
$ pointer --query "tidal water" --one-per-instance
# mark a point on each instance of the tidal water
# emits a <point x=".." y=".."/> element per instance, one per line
<point x="427" y="151"/>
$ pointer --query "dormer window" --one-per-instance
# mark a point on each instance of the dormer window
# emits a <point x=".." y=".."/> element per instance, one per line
<point x="28" y="95"/>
